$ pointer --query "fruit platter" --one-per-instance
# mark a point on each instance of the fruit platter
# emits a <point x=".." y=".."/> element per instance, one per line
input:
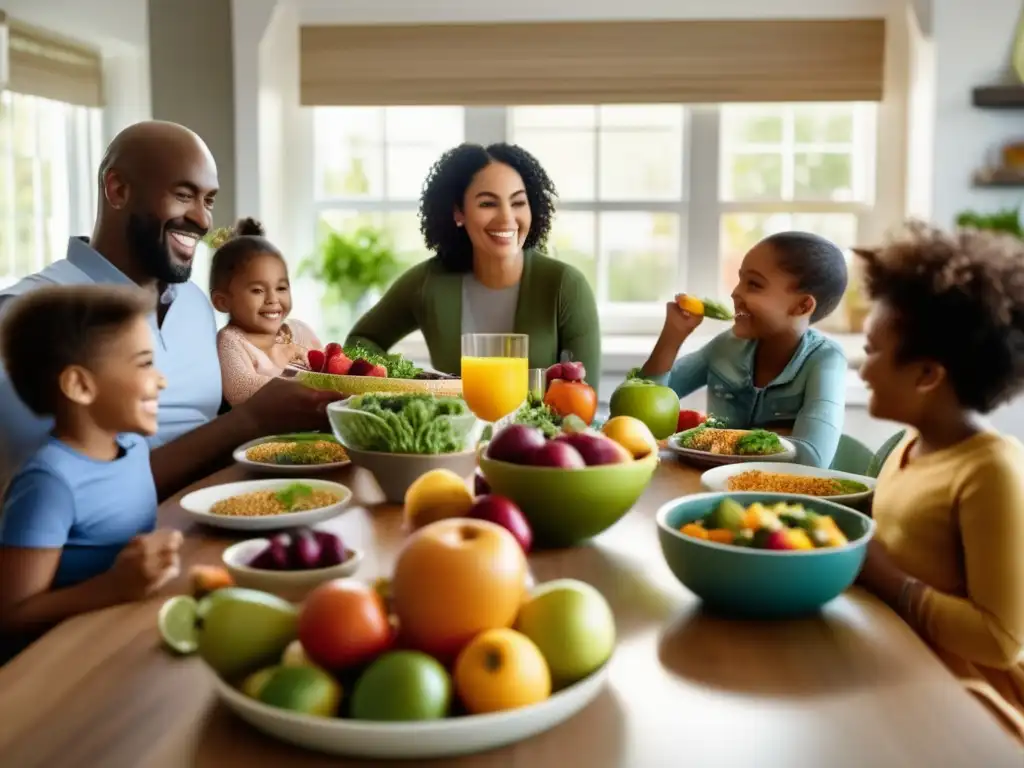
<point x="711" y="444"/>
<point x="356" y="369"/>
<point x="453" y="654"/>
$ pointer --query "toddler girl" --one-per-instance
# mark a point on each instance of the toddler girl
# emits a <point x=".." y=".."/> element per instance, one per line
<point x="945" y="344"/>
<point x="771" y="368"/>
<point x="249" y="282"/>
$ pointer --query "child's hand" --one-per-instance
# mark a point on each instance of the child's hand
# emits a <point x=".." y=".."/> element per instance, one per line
<point x="146" y="564"/>
<point x="679" y="323"/>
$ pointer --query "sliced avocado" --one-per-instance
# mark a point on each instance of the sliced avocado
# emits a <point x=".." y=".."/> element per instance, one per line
<point x="729" y="514"/>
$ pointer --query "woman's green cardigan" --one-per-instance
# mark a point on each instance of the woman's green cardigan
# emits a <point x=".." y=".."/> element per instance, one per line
<point x="556" y="308"/>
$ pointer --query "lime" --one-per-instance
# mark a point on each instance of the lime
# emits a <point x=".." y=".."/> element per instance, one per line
<point x="177" y="624"/>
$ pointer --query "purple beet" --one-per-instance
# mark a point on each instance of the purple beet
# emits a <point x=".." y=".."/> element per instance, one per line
<point x="278" y="553"/>
<point x="323" y="536"/>
<point x="332" y="552"/>
<point x="305" y="551"/>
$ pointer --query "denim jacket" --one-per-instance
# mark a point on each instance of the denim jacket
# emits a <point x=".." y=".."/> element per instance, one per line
<point x="809" y="395"/>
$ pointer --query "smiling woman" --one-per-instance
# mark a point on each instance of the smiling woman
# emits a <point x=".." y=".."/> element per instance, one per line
<point x="486" y="213"/>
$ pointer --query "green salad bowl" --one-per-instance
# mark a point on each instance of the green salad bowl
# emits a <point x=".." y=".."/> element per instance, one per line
<point x="567" y="506"/>
<point x="362" y="431"/>
<point x="756" y="583"/>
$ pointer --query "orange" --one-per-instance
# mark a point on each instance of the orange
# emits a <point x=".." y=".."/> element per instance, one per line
<point x="454" y="579"/>
<point x="501" y="669"/>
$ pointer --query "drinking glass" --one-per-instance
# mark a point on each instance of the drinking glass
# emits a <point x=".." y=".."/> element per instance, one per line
<point x="495" y="373"/>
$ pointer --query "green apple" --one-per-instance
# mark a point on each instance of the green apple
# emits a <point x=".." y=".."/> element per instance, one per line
<point x="308" y="690"/>
<point x="653" y="404"/>
<point x="241" y="630"/>
<point x="402" y="685"/>
<point x="573" y="626"/>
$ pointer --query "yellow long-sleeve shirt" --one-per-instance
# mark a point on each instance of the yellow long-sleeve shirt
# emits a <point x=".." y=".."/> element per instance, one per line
<point x="954" y="519"/>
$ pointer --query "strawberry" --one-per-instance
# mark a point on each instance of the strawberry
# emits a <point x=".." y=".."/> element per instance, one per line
<point x="316" y="360"/>
<point x="332" y="349"/>
<point x="360" y="367"/>
<point x="338" y="364"/>
<point x="379" y="371"/>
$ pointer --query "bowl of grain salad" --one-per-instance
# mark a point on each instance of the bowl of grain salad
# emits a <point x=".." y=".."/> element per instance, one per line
<point x="295" y="454"/>
<point x="267" y="505"/>
<point x="792" y="479"/>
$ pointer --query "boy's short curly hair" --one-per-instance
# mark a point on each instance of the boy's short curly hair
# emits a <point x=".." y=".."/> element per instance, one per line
<point x="818" y="265"/>
<point x="959" y="300"/>
<point x="445" y="189"/>
<point x="51" y="328"/>
<point x="237" y="247"/>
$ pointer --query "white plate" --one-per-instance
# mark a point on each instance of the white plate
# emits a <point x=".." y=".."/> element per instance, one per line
<point x="707" y="459"/>
<point x="413" y="740"/>
<point x="283" y="469"/>
<point x="198" y="503"/>
<point x="715" y="479"/>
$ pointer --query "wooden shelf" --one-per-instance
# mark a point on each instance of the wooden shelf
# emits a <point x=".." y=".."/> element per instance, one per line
<point x="999" y="96"/>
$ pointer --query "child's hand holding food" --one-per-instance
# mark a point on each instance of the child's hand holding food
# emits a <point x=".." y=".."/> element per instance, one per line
<point x="679" y="322"/>
<point x="146" y="564"/>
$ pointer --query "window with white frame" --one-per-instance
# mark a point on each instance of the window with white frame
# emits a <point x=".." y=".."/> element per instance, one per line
<point x="49" y="153"/>
<point x="653" y="199"/>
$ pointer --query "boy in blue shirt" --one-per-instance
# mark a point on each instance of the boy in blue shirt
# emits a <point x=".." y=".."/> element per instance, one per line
<point x="771" y="368"/>
<point x="77" y="525"/>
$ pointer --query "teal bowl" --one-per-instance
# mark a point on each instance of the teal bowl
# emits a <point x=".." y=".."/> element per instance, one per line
<point x="567" y="506"/>
<point x="758" y="583"/>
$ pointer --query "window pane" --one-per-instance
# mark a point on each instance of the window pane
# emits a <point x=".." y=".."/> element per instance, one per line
<point x="751" y="125"/>
<point x="823" y="124"/>
<point x="741" y="231"/>
<point x="23" y="125"/>
<point x="641" y="152"/>
<point x="567" y="156"/>
<point x="572" y="240"/>
<point x="349" y="151"/>
<point x="415" y="138"/>
<point x="25" y="239"/>
<point x="553" y="117"/>
<point x="642" y="251"/>
<point x="823" y="176"/>
<point x="752" y="177"/>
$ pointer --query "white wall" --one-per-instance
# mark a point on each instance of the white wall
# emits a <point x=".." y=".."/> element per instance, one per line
<point x="972" y="44"/>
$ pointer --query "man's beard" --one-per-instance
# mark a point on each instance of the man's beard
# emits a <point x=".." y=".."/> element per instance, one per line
<point x="148" y="241"/>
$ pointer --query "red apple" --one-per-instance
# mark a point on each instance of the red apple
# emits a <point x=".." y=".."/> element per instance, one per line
<point x="515" y="443"/>
<point x="553" y="372"/>
<point x="595" y="448"/>
<point x="557" y="454"/>
<point x="504" y="512"/>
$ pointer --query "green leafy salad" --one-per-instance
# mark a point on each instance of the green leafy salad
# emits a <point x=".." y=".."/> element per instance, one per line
<point x="397" y="366"/>
<point x="535" y="413"/>
<point x="407" y="423"/>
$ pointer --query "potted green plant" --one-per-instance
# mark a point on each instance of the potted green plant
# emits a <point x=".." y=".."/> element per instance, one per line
<point x="353" y="268"/>
<point x="1005" y="220"/>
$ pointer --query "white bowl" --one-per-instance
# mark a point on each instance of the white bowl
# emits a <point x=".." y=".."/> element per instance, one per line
<point x="716" y="479"/>
<point x="292" y="585"/>
<point x="198" y="503"/>
<point x="413" y="740"/>
<point x="283" y="469"/>
<point x="707" y="459"/>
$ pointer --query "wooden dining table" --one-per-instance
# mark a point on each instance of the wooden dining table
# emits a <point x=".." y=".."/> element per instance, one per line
<point x="852" y="687"/>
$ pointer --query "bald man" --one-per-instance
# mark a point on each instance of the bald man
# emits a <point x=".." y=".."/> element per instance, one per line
<point x="157" y="184"/>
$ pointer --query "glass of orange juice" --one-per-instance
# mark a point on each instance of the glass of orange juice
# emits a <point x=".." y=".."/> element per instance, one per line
<point x="495" y="373"/>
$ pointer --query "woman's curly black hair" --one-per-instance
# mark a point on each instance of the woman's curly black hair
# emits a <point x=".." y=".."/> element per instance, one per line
<point x="959" y="300"/>
<point x="445" y="188"/>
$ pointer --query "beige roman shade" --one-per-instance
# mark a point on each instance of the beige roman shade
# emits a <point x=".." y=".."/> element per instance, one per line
<point x="43" y="64"/>
<point x="593" y="62"/>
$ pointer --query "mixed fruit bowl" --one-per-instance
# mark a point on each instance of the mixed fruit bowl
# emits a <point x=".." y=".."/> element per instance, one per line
<point x="763" y="555"/>
<point x="454" y="653"/>
<point x="355" y="369"/>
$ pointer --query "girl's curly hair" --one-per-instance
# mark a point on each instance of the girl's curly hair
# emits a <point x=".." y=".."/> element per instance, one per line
<point x="959" y="300"/>
<point x="445" y="188"/>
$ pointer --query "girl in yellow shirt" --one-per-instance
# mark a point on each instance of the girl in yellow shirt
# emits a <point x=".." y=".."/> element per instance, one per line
<point x="945" y="345"/>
